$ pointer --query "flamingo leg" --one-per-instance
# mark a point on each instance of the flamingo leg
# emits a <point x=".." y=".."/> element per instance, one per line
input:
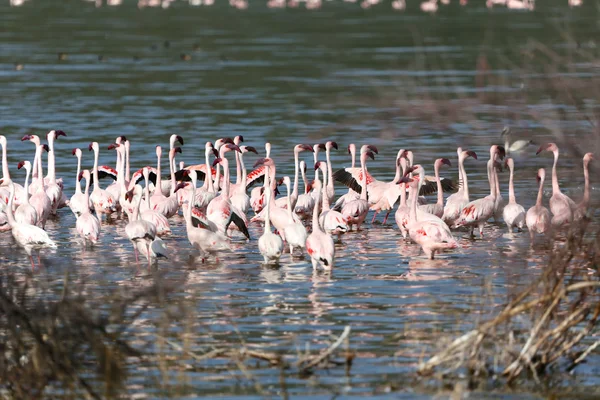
<point x="148" y="249"/>
<point x="32" y="264"/>
<point x="39" y="261"/>
<point x="136" y="255"/>
<point x="386" y="217"/>
<point x="374" y="216"/>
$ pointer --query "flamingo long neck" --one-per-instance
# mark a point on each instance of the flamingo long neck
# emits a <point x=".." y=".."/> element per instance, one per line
<point x="296" y="168"/>
<point x="238" y="168"/>
<point x="555" y="187"/>
<point x="414" y="194"/>
<point x="188" y="217"/>
<point x="138" y="203"/>
<point x="397" y="174"/>
<point x="217" y="184"/>
<point x="440" y="192"/>
<point x="26" y="186"/>
<point x="147" y="189"/>
<point x="511" y="189"/>
<point x="289" y="202"/>
<point x="586" y="189"/>
<point x="465" y="180"/>
<point x="363" y="165"/>
<point x="38" y="157"/>
<point x="461" y="179"/>
<point x="119" y="166"/>
<point x="172" y="171"/>
<point x="353" y="154"/>
<point x="121" y="172"/>
<point x="324" y="190"/>
<point x="51" y="160"/>
<point x="329" y="170"/>
<point x="538" y="202"/>
<point x="96" y="180"/>
<point x="491" y="180"/>
<point x="127" y="170"/>
<point x="9" y="206"/>
<point x="86" y="193"/>
<point x="402" y="194"/>
<point x="226" y="178"/>
<point x="315" y="218"/>
<point x="5" y="172"/>
<point x="316" y="156"/>
<point x="303" y="174"/>
<point x="268" y="195"/>
<point x="208" y="174"/>
<point x="158" y="185"/>
<point x="244" y="180"/>
<point x="77" y="182"/>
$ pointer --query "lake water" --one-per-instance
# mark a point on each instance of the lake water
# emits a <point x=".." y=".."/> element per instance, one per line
<point x="428" y="83"/>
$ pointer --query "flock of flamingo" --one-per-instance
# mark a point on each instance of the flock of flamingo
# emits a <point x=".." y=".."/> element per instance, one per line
<point x="427" y="6"/>
<point x="214" y="211"/>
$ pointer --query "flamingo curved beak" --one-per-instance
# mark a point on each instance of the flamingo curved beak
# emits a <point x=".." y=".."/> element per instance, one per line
<point x="215" y="152"/>
<point x="45" y="147"/>
<point x="59" y="133"/>
<point x="91" y="147"/>
<point x="321" y="146"/>
<point x="542" y="148"/>
<point x="334" y="145"/>
<point x="179" y="139"/>
<point x="240" y="138"/>
<point x="177" y="149"/>
<point x="307" y="147"/>
<point x="471" y="153"/>
<point x="216" y="161"/>
<point x="228" y="141"/>
<point x="26" y="137"/>
<point x="74" y="151"/>
<point x="180" y="185"/>
<point x="21" y="164"/>
<point x="317" y="165"/>
<point x="501" y="152"/>
<point x="113" y="146"/>
<point x="129" y="195"/>
<point x="251" y="149"/>
<point x="123" y="138"/>
<point x="233" y="147"/>
<point x="370" y="155"/>
<point x="80" y="176"/>
<point x="446" y="161"/>
<point x="373" y="148"/>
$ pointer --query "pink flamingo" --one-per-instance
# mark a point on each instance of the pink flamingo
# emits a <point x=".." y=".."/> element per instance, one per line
<point x="87" y="223"/>
<point x="103" y="201"/>
<point x="167" y="185"/>
<point x="26" y="235"/>
<point x="26" y="213"/>
<point x="331" y="221"/>
<point x="584" y="205"/>
<point x="330" y="189"/>
<point x="53" y="188"/>
<point x="19" y="191"/>
<point x="457" y="201"/>
<point x="305" y="202"/>
<point x="432" y="236"/>
<point x="294" y="232"/>
<point x="282" y="202"/>
<point x="316" y="148"/>
<point x="538" y="217"/>
<point x="204" y="240"/>
<point x="257" y="194"/>
<point x="77" y="201"/>
<point x="319" y="244"/>
<point x="167" y="206"/>
<point x="207" y="192"/>
<point x="269" y="244"/>
<point x="116" y="187"/>
<point x="437" y="209"/>
<point x="513" y="214"/>
<point x="561" y="206"/>
<point x="140" y="232"/>
<point x="352" y="194"/>
<point x="355" y="212"/>
<point x="158" y="219"/>
<point x="402" y="215"/>
<point x="477" y="212"/>
<point x="39" y="199"/>
<point x="240" y="198"/>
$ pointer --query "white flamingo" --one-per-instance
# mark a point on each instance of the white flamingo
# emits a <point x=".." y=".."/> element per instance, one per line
<point x="538" y="218"/>
<point x="319" y="244"/>
<point x="584" y="205"/>
<point x="437" y="208"/>
<point x="457" y="201"/>
<point x="514" y="213"/>
<point x="269" y="244"/>
<point x="294" y="232"/>
<point x="77" y="202"/>
<point x="87" y="224"/>
<point x="355" y="211"/>
<point x="26" y="213"/>
<point x="103" y="201"/>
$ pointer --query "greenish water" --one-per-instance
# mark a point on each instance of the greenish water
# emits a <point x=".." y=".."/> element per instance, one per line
<point x="428" y="83"/>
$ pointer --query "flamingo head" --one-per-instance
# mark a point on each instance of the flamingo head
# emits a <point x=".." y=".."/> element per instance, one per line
<point x="469" y="153"/>
<point x="401" y="153"/>
<point x="177" y="149"/>
<point x="21" y="164"/>
<point x="331" y="144"/>
<point x="509" y="163"/>
<point x="220" y="142"/>
<point x="59" y="133"/>
<point x="248" y="149"/>
<point x="217" y="161"/>
<point x="264" y="161"/>
<point x="26" y="137"/>
<point x="304" y="147"/>
<point x="178" y="138"/>
<point x="76" y="151"/>
<point x="45" y="147"/>
<point x="180" y="185"/>
<point x="80" y="176"/>
<point x="113" y="146"/>
<point x="370" y="154"/>
<point x="547" y="147"/>
<point x="588" y="157"/>
<point x="303" y="166"/>
<point x="369" y="147"/>
<point x="238" y="139"/>
<point x="91" y="146"/>
<point x="322" y="165"/>
<point x="443" y="161"/>
<point x="121" y="139"/>
<point x="351" y="148"/>
<point x="129" y="195"/>
<point x="286" y="181"/>
<point x="541" y="175"/>
<point x="501" y="152"/>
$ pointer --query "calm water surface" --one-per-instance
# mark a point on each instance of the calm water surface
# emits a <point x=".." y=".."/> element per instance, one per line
<point x="395" y="80"/>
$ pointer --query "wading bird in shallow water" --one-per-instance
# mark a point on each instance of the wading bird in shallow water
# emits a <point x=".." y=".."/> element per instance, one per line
<point x="319" y="244"/>
<point x="270" y="245"/>
<point x="87" y="224"/>
<point x="561" y="205"/>
<point x="584" y="204"/>
<point x="514" y="213"/>
<point x="457" y="201"/>
<point x="538" y="217"/>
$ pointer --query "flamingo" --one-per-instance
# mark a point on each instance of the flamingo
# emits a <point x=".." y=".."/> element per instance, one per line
<point x="294" y="232"/>
<point x="515" y="147"/>
<point x="19" y="191"/>
<point x="158" y="219"/>
<point x="87" y="223"/>
<point x="402" y="215"/>
<point x="167" y="206"/>
<point x="26" y="235"/>
<point x="331" y="221"/>
<point x="305" y="202"/>
<point x="257" y="193"/>
<point x="477" y="212"/>
<point x="513" y="214"/>
<point x="77" y="201"/>
<point x="204" y="240"/>
<point x="457" y="201"/>
<point x="429" y="6"/>
<point x="355" y="211"/>
<point x="207" y="192"/>
<point x="269" y="244"/>
<point x="26" y="213"/>
<point x="240" y="198"/>
<point x="116" y="188"/>
<point x="520" y="4"/>
<point x="167" y="185"/>
<point x="432" y="236"/>
<point x="140" y="232"/>
<point x="103" y="201"/>
<point x="584" y="205"/>
<point x="538" y="217"/>
<point x="316" y="148"/>
<point x="39" y="199"/>
<point x="282" y="202"/>
<point x="319" y="244"/>
<point x="561" y="206"/>
<point x="330" y="189"/>
<point x="53" y="188"/>
<point x="437" y="208"/>
<point x="352" y="194"/>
